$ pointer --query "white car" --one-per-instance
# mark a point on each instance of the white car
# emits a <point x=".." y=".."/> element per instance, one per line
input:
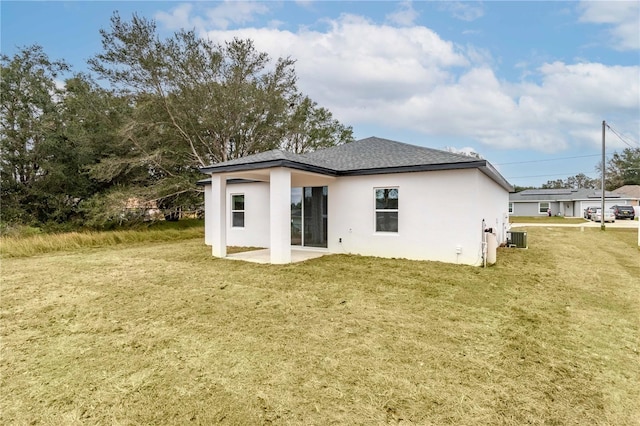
<point x="609" y="216"/>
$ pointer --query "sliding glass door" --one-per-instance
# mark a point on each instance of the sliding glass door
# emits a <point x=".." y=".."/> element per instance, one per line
<point x="309" y="216"/>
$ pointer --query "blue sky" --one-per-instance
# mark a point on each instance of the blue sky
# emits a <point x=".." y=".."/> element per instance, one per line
<point x="525" y="84"/>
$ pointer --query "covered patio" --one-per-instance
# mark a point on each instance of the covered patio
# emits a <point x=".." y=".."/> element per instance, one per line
<point x="281" y="176"/>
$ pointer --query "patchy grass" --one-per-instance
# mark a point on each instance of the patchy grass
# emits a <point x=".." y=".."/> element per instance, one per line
<point x="37" y="243"/>
<point x="161" y="333"/>
<point x="546" y="219"/>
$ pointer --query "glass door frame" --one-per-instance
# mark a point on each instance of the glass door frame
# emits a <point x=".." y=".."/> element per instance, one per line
<point x="301" y="228"/>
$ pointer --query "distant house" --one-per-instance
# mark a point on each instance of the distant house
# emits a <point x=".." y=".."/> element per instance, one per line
<point x="562" y="202"/>
<point x="371" y="197"/>
<point x="136" y="207"/>
<point x="631" y="192"/>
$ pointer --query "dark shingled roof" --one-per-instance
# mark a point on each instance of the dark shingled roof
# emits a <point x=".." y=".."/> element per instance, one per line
<point x="366" y="156"/>
<point x="377" y="153"/>
<point x="274" y="154"/>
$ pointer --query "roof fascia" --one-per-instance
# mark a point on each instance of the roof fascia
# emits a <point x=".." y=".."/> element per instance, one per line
<point x="233" y="181"/>
<point x="268" y="165"/>
<point x="492" y="173"/>
<point x="482" y="165"/>
<point x="408" y="169"/>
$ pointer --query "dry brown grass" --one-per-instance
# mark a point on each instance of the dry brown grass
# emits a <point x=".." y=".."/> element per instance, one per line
<point x="30" y="245"/>
<point x="162" y="333"/>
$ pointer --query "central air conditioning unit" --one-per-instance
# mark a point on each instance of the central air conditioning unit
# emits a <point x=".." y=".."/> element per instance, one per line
<point x="517" y="239"/>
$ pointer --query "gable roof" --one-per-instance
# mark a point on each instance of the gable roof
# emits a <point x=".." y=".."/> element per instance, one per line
<point x="366" y="156"/>
<point x="560" y="194"/>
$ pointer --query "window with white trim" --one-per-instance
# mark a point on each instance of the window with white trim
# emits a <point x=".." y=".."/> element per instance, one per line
<point x="237" y="210"/>
<point x="386" y="209"/>
<point x="543" y="207"/>
<point x="510" y="208"/>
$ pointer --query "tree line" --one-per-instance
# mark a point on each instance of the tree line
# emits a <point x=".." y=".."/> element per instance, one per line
<point x="77" y="148"/>
<point x="622" y="169"/>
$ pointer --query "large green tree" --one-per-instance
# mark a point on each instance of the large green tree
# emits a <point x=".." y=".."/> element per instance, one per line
<point x="94" y="118"/>
<point x="311" y="127"/>
<point x="30" y="135"/>
<point x="52" y="133"/>
<point x="198" y="103"/>
<point x="623" y="169"/>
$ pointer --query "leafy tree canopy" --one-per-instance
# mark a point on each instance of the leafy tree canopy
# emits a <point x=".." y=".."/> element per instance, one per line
<point x="30" y="134"/>
<point x="73" y="150"/>
<point x="198" y="103"/>
<point x="623" y="169"/>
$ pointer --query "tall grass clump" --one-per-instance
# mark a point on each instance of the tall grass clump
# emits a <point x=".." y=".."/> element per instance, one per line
<point x="34" y="244"/>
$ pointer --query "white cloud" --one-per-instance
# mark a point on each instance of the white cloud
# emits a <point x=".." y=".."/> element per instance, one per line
<point x="623" y="17"/>
<point x="221" y="16"/>
<point x="404" y="16"/>
<point x="180" y="17"/>
<point x="357" y="58"/>
<point x="465" y="11"/>
<point x="411" y="79"/>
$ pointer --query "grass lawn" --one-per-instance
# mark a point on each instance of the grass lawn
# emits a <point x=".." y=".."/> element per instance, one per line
<point x="546" y="219"/>
<point x="154" y="332"/>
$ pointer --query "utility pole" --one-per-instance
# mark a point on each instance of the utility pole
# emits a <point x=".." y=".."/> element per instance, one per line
<point x="602" y="226"/>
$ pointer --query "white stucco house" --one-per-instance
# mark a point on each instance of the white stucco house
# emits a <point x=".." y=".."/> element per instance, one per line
<point x="372" y="197"/>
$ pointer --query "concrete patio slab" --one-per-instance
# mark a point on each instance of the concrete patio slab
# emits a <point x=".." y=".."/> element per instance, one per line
<point x="264" y="255"/>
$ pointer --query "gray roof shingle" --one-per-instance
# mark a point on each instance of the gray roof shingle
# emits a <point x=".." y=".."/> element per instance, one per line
<point x="378" y="153"/>
<point x="366" y="156"/>
<point x="274" y="154"/>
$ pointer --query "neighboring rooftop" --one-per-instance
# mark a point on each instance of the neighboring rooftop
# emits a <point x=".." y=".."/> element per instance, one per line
<point x="631" y="191"/>
<point x="560" y="194"/>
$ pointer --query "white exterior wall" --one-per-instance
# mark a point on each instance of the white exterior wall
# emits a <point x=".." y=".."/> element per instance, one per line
<point x="493" y="206"/>
<point x="438" y="212"/>
<point x="256" y="215"/>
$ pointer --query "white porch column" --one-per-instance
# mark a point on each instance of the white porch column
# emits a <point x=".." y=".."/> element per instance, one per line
<point x="280" y="215"/>
<point x="218" y="217"/>
<point x="208" y="215"/>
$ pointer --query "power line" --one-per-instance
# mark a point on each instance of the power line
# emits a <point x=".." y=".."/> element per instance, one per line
<point x="623" y="138"/>
<point x="568" y="174"/>
<point x="549" y="159"/>
<point x="556" y="174"/>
